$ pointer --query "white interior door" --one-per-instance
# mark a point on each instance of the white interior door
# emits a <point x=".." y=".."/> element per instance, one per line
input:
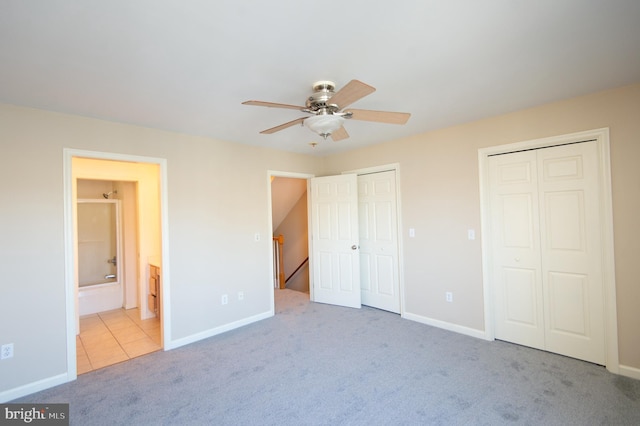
<point x="377" y="211"/>
<point x="547" y="250"/>
<point x="334" y="240"/>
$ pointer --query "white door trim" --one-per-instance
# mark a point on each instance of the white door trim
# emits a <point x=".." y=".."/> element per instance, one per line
<point x="385" y="168"/>
<point x="293" y="175"/>
<point x="69" y="246"/>
<point x="601" y="136"/>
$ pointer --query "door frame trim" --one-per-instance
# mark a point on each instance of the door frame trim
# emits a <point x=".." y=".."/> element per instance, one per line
<point x="69" y="246"/>
<point x="601" y="136"/>
<point x="396" y="168"/>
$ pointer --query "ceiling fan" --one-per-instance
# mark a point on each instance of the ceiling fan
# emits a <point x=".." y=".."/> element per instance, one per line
<point x="328" y="110"/>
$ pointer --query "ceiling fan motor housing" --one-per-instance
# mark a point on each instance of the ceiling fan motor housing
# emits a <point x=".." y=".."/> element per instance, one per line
<point x="322" y="92"/>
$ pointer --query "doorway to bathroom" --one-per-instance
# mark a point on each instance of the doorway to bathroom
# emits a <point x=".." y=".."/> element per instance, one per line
<point x="115" y="309"/>
<point x="111" y="326"/>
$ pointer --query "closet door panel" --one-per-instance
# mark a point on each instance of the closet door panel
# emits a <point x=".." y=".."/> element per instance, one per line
<point x="570" y="255"/>
<point x="516" y="273"/>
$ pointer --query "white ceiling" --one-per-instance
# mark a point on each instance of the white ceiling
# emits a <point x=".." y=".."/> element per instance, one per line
<point x="186" y="65"/>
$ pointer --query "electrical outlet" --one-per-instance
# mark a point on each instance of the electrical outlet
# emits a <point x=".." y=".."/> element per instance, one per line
<point x="256" y="236"/>
<point x="6" y="351"/>
<point x="240" y="295"/>
<point x="225" y="299"/>
<point x="449" y="296"/>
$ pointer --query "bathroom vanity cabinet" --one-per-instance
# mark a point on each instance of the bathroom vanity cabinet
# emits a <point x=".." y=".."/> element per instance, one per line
<point x="154" y="289"/>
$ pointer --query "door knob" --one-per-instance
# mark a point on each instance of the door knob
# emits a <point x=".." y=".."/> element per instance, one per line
<point x="355" y="247"/>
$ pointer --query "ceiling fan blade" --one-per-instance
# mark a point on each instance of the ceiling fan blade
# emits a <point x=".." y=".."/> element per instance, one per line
<point x="273" y="105"/>
<point x="350" y="93"/>
<point x="284" y="126"/>
<point x="380" y="116"/>
<point x="339" y="134"/>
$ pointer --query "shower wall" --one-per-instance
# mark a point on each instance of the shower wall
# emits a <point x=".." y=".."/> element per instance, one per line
<point x="126" y="193"/>
<point x="88" y="188"/>
<point x="98" y="242"/>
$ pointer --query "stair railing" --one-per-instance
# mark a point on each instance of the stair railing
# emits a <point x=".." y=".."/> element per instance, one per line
<point x="297" y="269"/>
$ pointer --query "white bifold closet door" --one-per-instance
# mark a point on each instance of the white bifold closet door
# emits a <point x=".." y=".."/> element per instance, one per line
<point x="546" y="249"/>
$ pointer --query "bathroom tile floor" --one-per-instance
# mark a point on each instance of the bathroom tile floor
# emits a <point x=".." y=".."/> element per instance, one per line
<point x="107" y="338"/>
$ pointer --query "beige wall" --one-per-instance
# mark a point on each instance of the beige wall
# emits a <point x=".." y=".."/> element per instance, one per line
<point x="440" y="199"/>
<point x="93" y="189"/>
<point x="285" y="193"/>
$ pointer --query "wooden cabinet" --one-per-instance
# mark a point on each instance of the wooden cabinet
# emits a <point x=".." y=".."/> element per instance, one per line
<point x="154" y="289"/>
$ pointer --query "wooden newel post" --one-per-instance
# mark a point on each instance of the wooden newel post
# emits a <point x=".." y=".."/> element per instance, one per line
<point x="281" y="276"/>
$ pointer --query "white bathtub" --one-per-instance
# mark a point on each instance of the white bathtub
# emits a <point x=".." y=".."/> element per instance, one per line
<point x="99" y="298"/>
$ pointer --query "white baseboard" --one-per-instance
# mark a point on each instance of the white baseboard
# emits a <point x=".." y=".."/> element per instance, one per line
<point x="479" y="334"/>
<point x="29" y="388"/>
<point x="627" y="371"/>
<point x="623" y="370"/>
<point x="215" y="331"/>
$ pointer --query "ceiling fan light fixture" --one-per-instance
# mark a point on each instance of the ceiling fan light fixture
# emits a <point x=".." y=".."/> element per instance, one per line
<point x="324" y="124"/>
<point x="327" y="109"/>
